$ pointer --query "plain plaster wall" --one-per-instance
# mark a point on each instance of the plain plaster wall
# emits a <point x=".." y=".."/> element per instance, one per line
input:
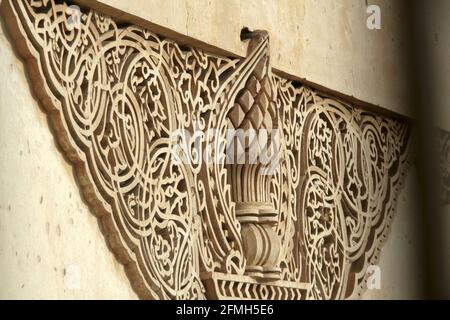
<point x="48" y="237"/>
<point x="438" y="36"/>
<point x="45" y="228"/>
<point x="400" y="274"/>
<point x="326" y="42"/>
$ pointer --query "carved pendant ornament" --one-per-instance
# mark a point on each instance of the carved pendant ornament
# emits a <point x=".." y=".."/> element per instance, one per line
<point x="212" y="177"/>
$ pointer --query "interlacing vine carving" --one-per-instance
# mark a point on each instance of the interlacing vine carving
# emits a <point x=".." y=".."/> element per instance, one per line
<point x="189" y="229"/>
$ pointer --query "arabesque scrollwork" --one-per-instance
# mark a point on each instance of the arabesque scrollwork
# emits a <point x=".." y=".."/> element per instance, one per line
<point x="189" y="229"/>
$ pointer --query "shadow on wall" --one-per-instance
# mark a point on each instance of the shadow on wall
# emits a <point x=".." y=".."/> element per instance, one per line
<point x="428" y="30"/>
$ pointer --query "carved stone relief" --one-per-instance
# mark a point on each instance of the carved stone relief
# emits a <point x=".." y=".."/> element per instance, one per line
<point x="305" y="224"/>
<point x="444" y="160"/>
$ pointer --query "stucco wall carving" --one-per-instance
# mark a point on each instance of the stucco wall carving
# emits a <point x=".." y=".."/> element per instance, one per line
<point x="305" y="224"/>
<point x="443" y="142"/>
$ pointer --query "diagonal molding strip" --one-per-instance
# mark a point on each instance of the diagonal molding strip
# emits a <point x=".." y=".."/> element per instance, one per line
<point x="133" y="112"/>
<point x="122" y="17"/>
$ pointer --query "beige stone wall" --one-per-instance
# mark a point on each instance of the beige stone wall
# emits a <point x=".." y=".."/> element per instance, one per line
<point x="400" y="277"/>
<point x="45" y="228"/>
<point x="48" y="237"/>
<point x="438" y="35"/>
<point x="326" y="42"/>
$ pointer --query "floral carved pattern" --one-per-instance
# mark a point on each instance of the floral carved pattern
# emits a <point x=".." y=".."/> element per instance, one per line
<point x="115" y="95"/>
